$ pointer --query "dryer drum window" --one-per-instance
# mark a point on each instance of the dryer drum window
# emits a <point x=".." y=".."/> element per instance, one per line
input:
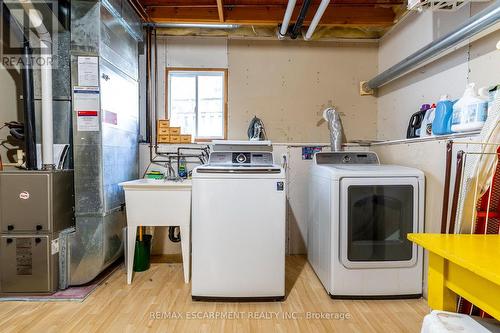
<point x="379" y="218"/>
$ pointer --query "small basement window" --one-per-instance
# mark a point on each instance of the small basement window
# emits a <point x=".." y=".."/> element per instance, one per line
<point x="197" y="102"/>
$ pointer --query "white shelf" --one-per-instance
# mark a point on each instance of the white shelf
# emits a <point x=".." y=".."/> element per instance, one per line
<point x="428" y="138"/>
<point x="347" y="145"/>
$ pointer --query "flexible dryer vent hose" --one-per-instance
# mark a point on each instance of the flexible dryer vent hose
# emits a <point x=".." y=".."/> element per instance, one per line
<point x="335" y="126"/>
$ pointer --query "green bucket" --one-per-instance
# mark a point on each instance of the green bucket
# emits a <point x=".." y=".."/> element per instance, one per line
<point x="142" y="253"/>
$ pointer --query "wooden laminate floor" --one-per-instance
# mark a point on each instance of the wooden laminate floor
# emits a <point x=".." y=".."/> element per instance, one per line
<point x="159" y="301"/>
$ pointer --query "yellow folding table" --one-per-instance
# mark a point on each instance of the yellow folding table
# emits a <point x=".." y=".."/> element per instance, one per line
<point x="464" y="265"/>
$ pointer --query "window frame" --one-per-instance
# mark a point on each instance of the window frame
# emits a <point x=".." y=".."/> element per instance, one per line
<point x="198" y="70"/>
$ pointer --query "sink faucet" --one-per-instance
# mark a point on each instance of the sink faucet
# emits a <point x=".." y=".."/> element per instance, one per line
<point x="171" y="176"/>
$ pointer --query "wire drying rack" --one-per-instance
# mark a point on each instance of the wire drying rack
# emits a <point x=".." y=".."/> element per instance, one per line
<point x="420" y="5"/>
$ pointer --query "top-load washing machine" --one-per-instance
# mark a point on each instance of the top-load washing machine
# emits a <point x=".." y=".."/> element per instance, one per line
<point x="360" y="213"/>
<point x="238" y="224"/>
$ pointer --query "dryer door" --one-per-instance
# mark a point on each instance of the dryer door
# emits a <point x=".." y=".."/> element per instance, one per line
<point x="376" y="214"/>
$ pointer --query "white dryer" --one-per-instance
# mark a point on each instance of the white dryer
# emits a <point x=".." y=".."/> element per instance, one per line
<point x="238" y="224"/>
<point x="359" y="215"/>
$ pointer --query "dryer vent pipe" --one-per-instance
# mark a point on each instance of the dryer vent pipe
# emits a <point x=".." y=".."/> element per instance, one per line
<point x="335" y="126"/>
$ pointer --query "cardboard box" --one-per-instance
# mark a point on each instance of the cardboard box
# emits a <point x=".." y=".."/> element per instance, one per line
<point x="175" y="139"/>
<point x="163" y="131"/>
<point x="174" y="131"/>
<point x="163" y="123"/>
<point x="163" y="138"/>
<point x="185" y="138"/>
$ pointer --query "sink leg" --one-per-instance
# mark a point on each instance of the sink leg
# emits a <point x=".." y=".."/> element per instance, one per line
<point x="185" y="244"/>
<point x="131" y="235"/>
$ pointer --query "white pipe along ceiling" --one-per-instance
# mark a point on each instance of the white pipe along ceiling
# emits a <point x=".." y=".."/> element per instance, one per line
<point x="317" y="17"/>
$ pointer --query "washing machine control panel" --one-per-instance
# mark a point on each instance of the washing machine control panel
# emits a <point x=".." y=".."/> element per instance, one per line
<point x="241" y="158"/>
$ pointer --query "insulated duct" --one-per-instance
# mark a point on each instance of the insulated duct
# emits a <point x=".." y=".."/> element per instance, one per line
<point x="474" y="25"/>
<point x="335" y="126"/>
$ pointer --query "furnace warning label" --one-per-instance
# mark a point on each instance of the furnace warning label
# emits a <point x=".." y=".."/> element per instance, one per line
<point x="88" y="71"/>
<point x="24" y="256"/>
<point x="86" y="107"/>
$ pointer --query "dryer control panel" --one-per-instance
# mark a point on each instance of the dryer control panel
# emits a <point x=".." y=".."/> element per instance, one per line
<point x="347" y="158"/>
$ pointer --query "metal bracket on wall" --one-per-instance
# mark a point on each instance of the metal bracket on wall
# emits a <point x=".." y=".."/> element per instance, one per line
<point x="364" y="90"/>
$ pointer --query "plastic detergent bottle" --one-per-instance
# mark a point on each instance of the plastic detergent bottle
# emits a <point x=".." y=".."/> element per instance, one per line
<point x="469" y="112"/>
<point x="442" y="118"/>
<point x="484" y="94"/>
<point x="415" y="123"/>
<point x="182" y="168"/>
<point x="426" y="128"/>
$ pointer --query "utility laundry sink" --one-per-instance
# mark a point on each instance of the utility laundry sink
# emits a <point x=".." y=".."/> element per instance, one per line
<point x="158" y="183"/>
<point x="158" y="202"/>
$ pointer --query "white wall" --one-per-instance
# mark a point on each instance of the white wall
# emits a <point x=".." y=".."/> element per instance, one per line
<point x="287" y="84"/>
<point x="187" y="52"/>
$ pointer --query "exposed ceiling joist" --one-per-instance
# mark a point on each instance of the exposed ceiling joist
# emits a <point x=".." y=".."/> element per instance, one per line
<point x="220" y="10"/>
<point x="336" y="14"/>
<point x="139" y="9"/>
<point x="249" y="3"/>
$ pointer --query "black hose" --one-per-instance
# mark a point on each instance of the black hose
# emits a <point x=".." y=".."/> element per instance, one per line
<point x="172" y="234"/>
<point x="17" y="133"/>
<point x="300" y="19"/>
<point x="29" y="108"/>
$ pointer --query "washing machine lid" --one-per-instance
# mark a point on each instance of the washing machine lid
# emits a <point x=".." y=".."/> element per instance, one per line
<point x="339" y="165"/>
<point x="372" y="171"/>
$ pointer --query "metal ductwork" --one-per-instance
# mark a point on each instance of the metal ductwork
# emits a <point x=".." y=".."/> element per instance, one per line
<point x="474" y="25"/>
<point x="107" y="34"/>
<point x="300" y="19"/>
